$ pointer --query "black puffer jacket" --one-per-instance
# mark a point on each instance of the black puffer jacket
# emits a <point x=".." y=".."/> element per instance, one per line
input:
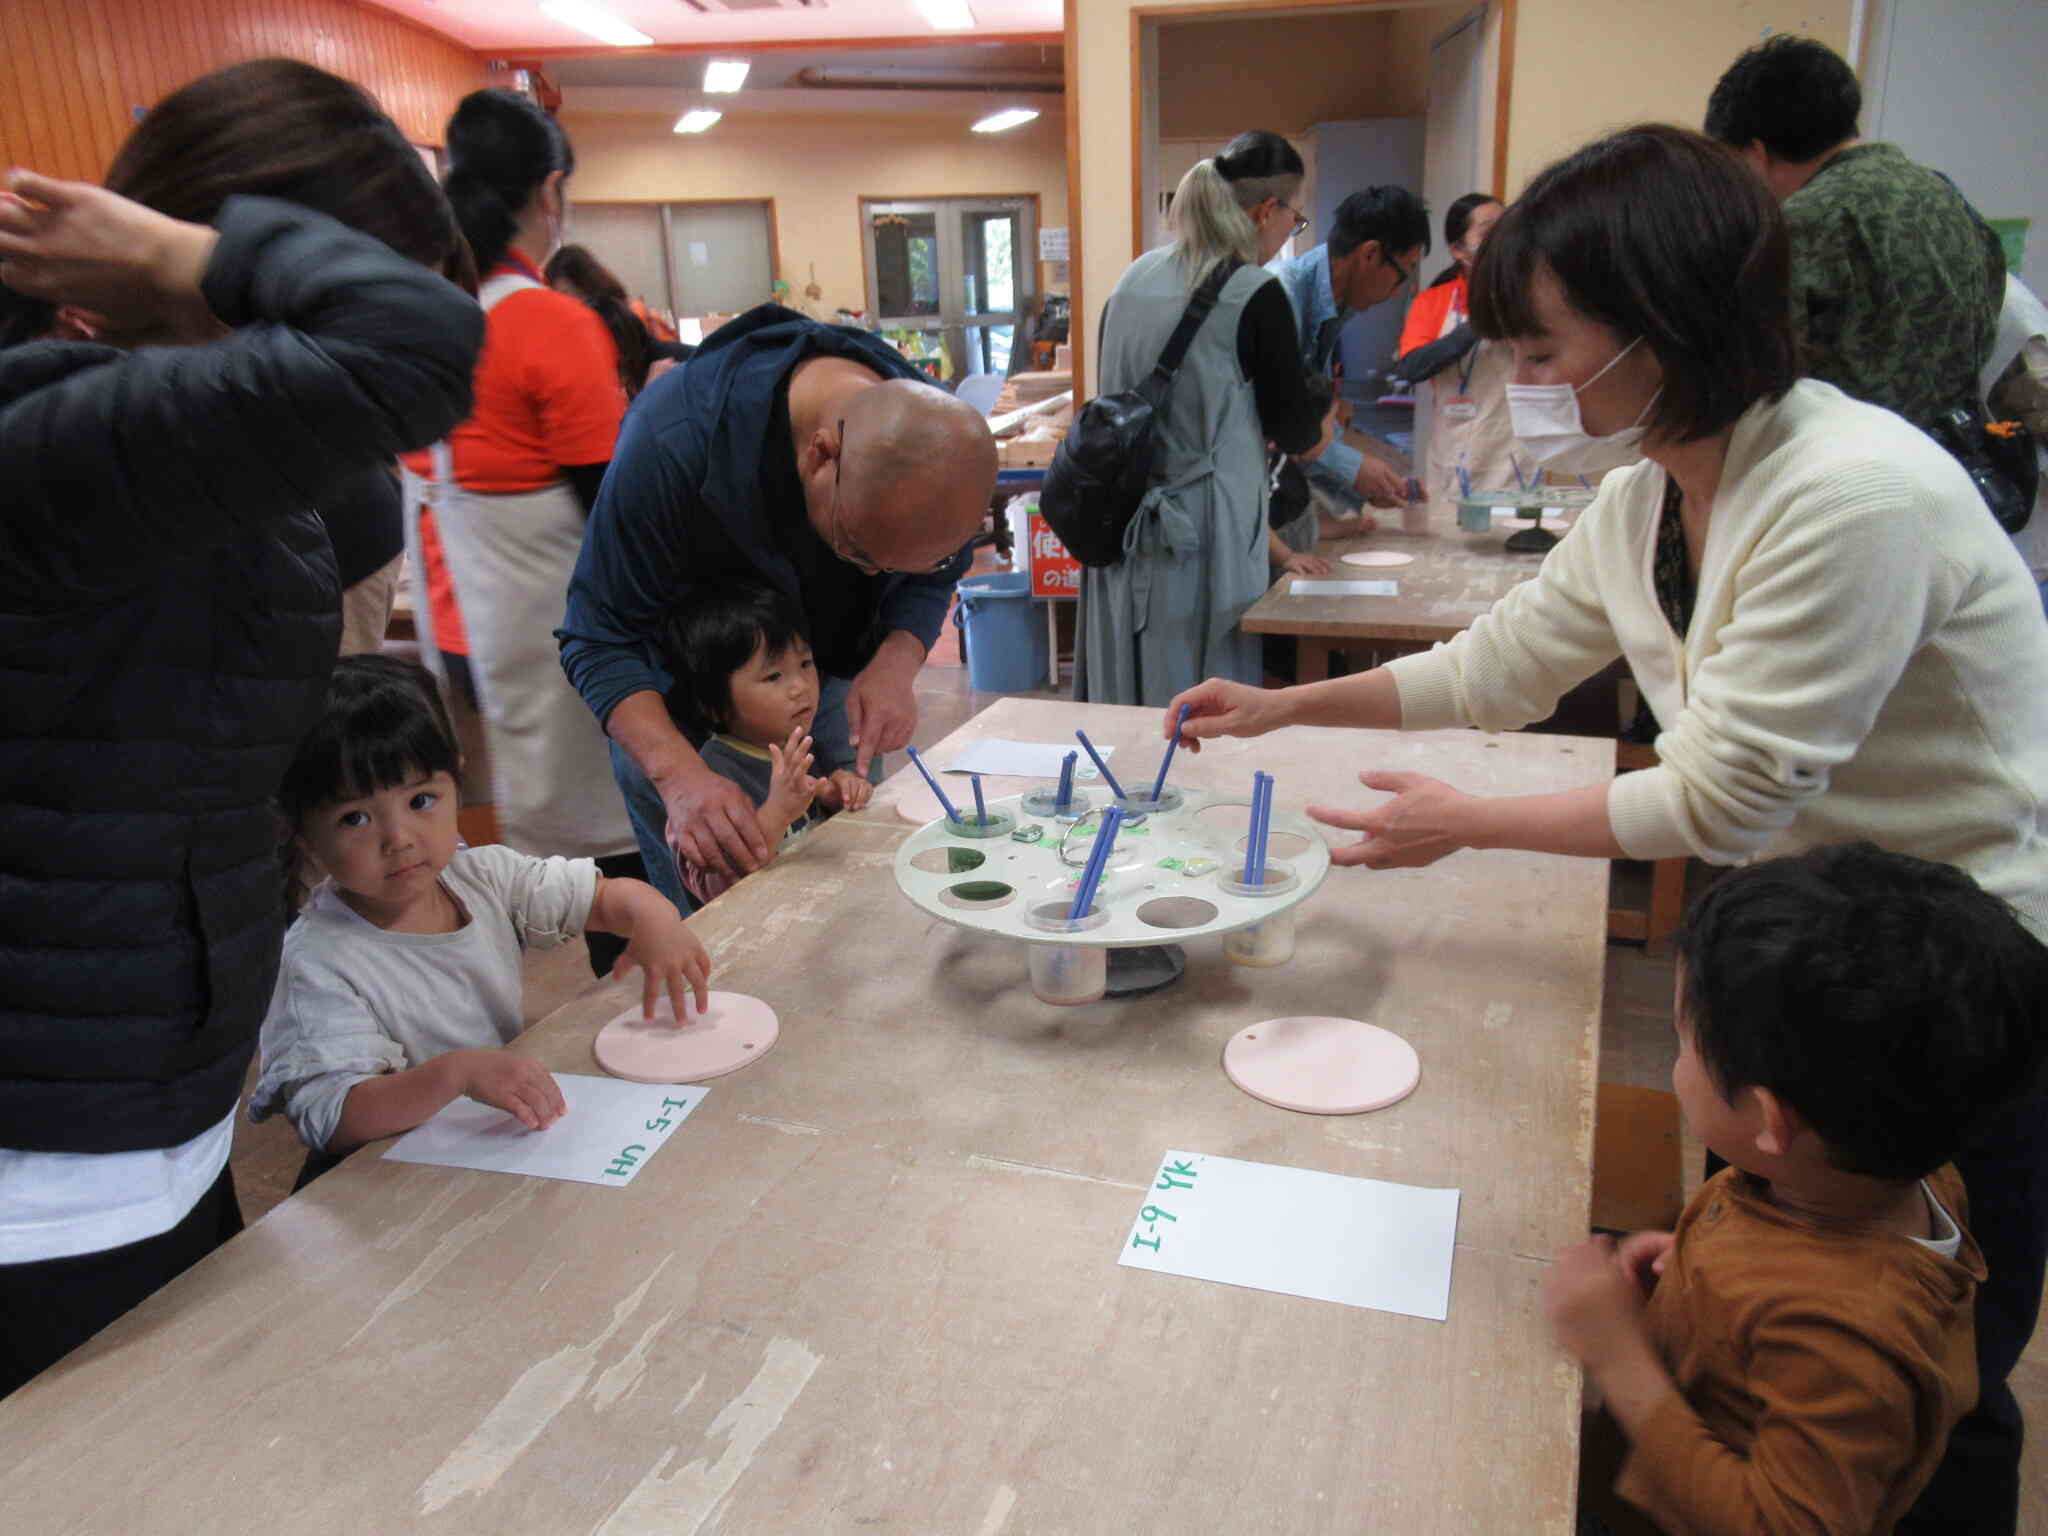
<point x="168" y="619"/>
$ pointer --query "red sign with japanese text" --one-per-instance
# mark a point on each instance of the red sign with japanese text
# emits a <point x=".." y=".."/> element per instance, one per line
<point x="1054" y="572"/>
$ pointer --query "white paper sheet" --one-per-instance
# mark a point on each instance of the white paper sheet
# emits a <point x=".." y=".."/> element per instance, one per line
<point x="1304" y="588"/>
<point x="1025" y="759"/>
<point x="610" y="1131"/>
<point x="1322" y="1235"/>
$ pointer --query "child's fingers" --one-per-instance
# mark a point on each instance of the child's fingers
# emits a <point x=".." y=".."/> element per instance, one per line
<point x="557" y="1106"/>
<point x="684" y="989"/>
<point x="650" y="993"/>
<point x="699" y="972"/>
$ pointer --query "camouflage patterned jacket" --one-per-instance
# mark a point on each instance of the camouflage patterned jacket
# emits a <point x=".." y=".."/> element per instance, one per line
<point x="1896" y="282"/>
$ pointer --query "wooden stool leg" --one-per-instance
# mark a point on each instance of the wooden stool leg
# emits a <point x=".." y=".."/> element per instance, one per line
<point x="1667" y="899"/>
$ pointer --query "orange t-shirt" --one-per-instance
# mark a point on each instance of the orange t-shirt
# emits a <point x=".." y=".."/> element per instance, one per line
<point x="547" y="396"/>
<point x="1425" y="322"/>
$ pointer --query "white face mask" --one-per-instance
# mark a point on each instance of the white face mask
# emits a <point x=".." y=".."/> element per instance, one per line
<point x="1547" y="424"/>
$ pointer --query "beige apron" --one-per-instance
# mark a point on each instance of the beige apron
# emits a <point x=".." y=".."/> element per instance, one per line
<point x="1468" y="421"/>
<point x="510" y="558"/>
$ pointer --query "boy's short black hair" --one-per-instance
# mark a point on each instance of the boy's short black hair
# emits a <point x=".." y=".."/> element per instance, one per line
<point x="711" y="634"/>
<point x="1796" y="97"/>
<point x="1394" y="216"/>
<point x="1656" y="233"/>
<point x="1893" y="1003"/>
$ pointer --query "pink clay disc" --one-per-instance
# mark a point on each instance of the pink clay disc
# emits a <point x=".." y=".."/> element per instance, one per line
<point x="918" y="805"/>
<point x="1322" y="1066"/>
<point x="734" y="1030"/>
<point x="1376" y="557"/>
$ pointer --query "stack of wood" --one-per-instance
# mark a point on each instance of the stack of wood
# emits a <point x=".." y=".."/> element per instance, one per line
<point x="1029" y="388"/>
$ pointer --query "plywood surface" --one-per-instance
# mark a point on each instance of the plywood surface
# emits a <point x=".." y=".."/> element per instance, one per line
<point x="872" y="1282"/>
<point x="1455" y="577"/>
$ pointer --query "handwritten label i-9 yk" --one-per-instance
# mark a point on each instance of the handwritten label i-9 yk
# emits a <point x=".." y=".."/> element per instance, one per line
<point x="1156" y="1221"/>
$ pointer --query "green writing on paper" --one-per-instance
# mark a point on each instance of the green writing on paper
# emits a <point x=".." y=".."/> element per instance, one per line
<point x="664" y="1122"/>
<point x="1178" y="1174"/>
<point x="622" y="1165"/>
<point x="1170" y="863"/>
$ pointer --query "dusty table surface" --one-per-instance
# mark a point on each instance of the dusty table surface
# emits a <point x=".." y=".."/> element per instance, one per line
<point x="1454" y="578"/>
<point x="872" y="1282"/>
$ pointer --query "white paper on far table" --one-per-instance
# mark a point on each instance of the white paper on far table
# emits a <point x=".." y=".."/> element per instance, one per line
<point x="1299" y="1232"/>
<point x="1305" y="588"/>
<point x="1022" y="759"/>
<point x="610" y="1131"/>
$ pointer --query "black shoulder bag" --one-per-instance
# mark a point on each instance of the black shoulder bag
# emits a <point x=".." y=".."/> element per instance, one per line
<point x="1103" y="467"/>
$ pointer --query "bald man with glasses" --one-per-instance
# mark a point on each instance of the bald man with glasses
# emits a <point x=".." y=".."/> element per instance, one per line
<point x="809" y="458"/>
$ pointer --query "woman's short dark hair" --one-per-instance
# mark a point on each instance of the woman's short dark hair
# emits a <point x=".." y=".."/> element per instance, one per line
<point x="1662" y="234"/>
<point x="711" y="634"/>
<point x="1891" y="1001"/>
<point x="501" y="147"/>
<point x="595" y="285"/>
<point x="1394" y="216"/>
<point x="1796" y="97"/>
<point x="280" y="128"/>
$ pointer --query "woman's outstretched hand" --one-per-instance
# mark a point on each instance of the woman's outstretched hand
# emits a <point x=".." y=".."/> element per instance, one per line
<point x="1221" y="708"/>
<point x="1425" y="821"/>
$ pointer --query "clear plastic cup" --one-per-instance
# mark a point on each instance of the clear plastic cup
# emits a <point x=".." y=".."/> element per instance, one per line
<point x="1264" y="943"/>
<point x="1066" y="974"/>
<point x="1415" y="513"/>
<point x="1046" y="802"/>
<point x="997" y="824"/>
<point x="1270" y="941"/>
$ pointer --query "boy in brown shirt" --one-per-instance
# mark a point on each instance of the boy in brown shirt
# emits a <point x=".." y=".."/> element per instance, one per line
<point x="1794" y="1356"/>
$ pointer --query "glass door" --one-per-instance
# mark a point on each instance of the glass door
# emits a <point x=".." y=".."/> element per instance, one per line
<point x="948" y="279"/>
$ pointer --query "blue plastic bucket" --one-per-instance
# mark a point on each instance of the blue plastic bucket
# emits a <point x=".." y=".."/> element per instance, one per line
<point x="1004" y="634"/>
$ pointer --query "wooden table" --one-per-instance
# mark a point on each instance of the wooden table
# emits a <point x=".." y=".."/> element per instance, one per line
<point x="1455" y="577"/>
<point x="872" y="1283"/>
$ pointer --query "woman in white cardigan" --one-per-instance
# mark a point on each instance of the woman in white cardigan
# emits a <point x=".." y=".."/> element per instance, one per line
<point x="1837" y="640"/>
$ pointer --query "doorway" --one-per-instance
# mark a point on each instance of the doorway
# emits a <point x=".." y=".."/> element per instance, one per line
<point x="950" y="278"/>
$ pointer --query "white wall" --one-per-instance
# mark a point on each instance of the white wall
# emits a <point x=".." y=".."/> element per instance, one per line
<point x="1962" y="86"/>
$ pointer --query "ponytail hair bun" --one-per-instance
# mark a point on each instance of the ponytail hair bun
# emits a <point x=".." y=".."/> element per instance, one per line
<point x="501" y="148"/>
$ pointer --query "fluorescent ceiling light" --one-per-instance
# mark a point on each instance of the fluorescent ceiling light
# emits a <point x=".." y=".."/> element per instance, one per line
<point x="602" y="25"/>
<point x="1009" y="118"/>
<point x="722" y="75"/>
<point x="947" y="15"/>
<point x="697" y="119"/>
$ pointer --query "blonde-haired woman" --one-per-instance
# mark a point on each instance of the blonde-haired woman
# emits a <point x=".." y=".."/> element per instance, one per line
<point x="1166" y="615"/>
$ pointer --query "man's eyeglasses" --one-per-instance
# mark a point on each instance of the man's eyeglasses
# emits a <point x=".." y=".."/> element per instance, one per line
<point x="1406" y="274"/>
<point x="844" y="547"/>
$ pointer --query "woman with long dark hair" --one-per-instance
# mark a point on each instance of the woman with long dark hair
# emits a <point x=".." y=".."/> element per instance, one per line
<point x="269" y="329"/>
<point x="1195" y="557"/>
<point x="575" y="271"/>
<point x="509" y="491"/>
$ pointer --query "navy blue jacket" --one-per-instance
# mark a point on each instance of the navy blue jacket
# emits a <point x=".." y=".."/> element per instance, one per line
<point x="689" y="501"/>
<point x="168" y="618"/>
